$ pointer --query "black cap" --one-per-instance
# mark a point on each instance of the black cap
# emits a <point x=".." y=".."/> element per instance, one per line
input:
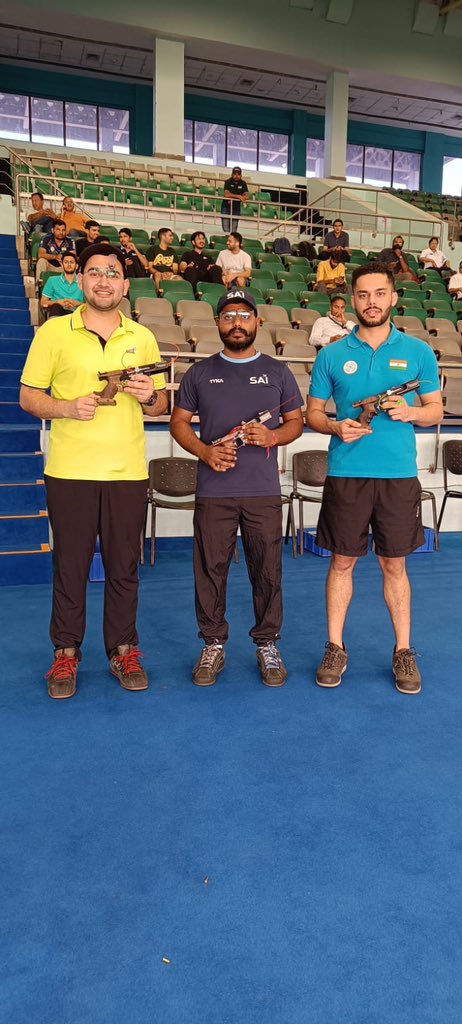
<point x="237" y="296"/>
<point x="236" y="169"/>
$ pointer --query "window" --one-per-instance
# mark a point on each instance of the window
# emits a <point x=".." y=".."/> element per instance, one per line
<point x="273" y="152"/>
<point x="452" y="175"/>
<point x="58" y="123"/>
<point x="315" y="158"/>
<point x="406" y="170"/>
<point x="222" y="146"/>
<point x="14" y="117"/>
<point x="377" y="166"/>
<point x="354" y="163"/>
<point x="47" y="121"/>
<point x="81" y="126"/>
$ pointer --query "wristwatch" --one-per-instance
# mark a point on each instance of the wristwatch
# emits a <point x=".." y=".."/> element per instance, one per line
<point x="152" y="400"/>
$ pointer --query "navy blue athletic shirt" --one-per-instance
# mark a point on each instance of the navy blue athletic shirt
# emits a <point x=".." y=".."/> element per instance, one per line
<point x="223" y="392"/>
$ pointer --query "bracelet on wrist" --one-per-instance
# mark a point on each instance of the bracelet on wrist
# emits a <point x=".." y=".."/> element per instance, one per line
<point x="152" y="400"/>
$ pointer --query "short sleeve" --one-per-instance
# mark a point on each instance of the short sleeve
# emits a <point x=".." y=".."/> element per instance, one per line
<point x="321" y="382"/>
<point x="49" y="289"/>
<point x="187" y="397"/>
<point x="247" y="260"/>
<point x="219" y="260"/>
<point x="428" y="371"/>
<point x="38" y="370"/>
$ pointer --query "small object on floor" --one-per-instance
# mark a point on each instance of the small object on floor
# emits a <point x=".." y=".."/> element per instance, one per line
<point x="407" y="675"/>
<point x="206" y="880"/>
<point x="127" y="668"/>
<point x="332" y="666"/>
<point x="211" y="662"/>
<point x="165" y="960"/>
<point x="62" y="677"/>
<point x="272" y="668"/>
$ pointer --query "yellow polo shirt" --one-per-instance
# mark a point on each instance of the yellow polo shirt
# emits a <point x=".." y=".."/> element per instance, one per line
<point x="327" y="273"/>
<point x="66" y="357"/>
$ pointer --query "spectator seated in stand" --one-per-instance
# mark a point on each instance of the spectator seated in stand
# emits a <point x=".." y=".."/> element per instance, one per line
<point x="433" y="258"/>
<point x="332" y="327"/>
<point x="53" y="247"/>
<point x="195" y="266"/>
<point x="92" y="237"/>
<point x="74" y="219"/>
<point x="234" y="263"/>
<point x="162" y="259"/>
<point x="455" y="284"/>
<point x="135" y="262"/>
<point x="42" y="217"/>
<point x="336" y="243"/>
<point x="395" y="260"/>
<point x="62" y="294"/>
<point x="331" y="276"/>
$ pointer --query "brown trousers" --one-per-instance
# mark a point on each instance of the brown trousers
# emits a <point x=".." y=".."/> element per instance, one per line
<point x="216" y="522"/>
<point x="79" y="511"/>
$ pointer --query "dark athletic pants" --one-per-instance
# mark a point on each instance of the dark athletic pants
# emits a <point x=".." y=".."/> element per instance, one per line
<point x="216" y="522"/>
<point x="194" y="275"/>
<point x="79" y="510"/>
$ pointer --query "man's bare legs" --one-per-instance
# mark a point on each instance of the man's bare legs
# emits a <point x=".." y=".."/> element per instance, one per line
<point x="397" y="594"/>
<point x="339" y="591"/>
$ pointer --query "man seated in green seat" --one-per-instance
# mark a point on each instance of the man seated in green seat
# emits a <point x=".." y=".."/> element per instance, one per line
<point x="61" y="294"/>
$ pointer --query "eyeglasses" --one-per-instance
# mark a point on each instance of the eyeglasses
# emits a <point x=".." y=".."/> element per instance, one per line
<point x="232" y="316"/>
<point x="98" y="272"/>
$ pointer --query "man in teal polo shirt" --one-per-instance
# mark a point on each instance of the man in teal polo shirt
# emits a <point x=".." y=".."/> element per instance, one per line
<point x="62" y="294"/>
<point x="372" y="471"/>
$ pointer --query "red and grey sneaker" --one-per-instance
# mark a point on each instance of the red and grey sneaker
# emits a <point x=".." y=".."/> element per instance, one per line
<point x="62" y="677"/>
<point x="125" y="665"/>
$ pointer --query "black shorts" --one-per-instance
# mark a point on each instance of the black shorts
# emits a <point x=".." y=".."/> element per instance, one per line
<point x="391" y="507"/>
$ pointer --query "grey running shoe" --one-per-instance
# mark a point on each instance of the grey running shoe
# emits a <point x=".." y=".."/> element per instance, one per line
<point x="62" y="677"/>
<point x="126" y="666"/>
<point x="407" y="675"/>
<point x="272" y="668"/>
<point x="211" y="662"/>
<point x="332" y="666"/>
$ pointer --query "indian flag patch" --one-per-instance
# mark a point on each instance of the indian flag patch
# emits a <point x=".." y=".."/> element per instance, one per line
<point x="398" y="364"/>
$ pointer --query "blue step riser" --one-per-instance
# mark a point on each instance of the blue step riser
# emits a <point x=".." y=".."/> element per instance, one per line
<point x="9" y="378"/>
<point x="11" y="413"/>
<point x="16" y="570"/>
<point x="14" y="360"/>
<point x="9" y="332"/>
<point x="16" y="303"/>
<point x="21" y="468"/>
<point x="22" y="500"/>
<point x="14" y="316"/>
<point x="23" y="532"/>
<point x="20" y="440"/>
<point x="9" y="394"/>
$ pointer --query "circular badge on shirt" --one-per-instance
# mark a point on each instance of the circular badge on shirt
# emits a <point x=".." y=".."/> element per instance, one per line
<point x="350" y="366"/>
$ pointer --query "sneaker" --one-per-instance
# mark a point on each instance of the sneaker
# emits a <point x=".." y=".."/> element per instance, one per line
<point x="62" y="677"/>
<point x="272" y="668"/>
<point x="211" y="662"/>
<point x="126" y="666"/>
<point x="332" y="666"/>
<point x="407" y="675"/>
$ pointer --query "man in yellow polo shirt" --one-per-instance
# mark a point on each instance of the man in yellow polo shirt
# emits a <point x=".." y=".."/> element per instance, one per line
<point x="331" y="276"/>
<point x="96" y="469"/>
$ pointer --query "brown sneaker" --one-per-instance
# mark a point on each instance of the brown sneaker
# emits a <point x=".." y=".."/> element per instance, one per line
<point x="211" y="662"/>
<point x="272" y="668"/>
<point x="407" y="675"/>
<point x="126" y="666"/>
<point x="332" y="666"/>
<point x="62" y="677"/>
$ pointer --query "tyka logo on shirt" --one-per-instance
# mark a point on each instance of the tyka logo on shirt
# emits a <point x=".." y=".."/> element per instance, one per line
<point x="263" y="379"/>
<point x="216" y="380"/>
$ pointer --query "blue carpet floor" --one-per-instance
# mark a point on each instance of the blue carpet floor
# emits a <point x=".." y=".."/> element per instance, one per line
<point x="236" y="855"/>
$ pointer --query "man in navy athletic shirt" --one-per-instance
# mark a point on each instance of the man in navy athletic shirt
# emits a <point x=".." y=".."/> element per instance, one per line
<point x="238" y="487"/>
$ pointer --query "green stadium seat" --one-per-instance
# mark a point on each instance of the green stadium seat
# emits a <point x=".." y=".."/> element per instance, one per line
<point x="409" y="309"/>
<point x="264" y="197"/>
<point x="160" y="200"/>
<point x="140" y="236"/>
<point x="45" y="187"/>
<point x="252" y="245"/>
<point x="266" y="272"/>
<point x="289" y="275"/>
<point x="435" y="288"/>
<point x="70" y="189"/>
<point x="92" y="192"/>
<point x="209" y="291"/>
<point x="409" y="288"/>
<point x="274" y="295"/>
<point x="297" y="263"/>
<point x="87" y="176"/>
<point x="62" y="172"/>
<point x="269" y="212"/>
<point x="314" y="301"/>
<point x="176" y="290"/>
<point x="268" y="258"/>
<point x="218" y="241"/>
<point x="135" y="198"/>
<point x="441" y="304"/>
<point x="141" y="288"/>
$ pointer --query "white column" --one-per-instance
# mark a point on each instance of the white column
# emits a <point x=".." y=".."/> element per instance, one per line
<point x="336" y="124"/>
<point x="168" y="104"/>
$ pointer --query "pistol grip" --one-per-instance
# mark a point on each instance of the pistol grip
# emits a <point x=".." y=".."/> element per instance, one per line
<point x="103" y="398"/>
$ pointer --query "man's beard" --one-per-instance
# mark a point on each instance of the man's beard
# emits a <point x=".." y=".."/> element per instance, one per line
<point x="242" y="344"/>
<point x="373" y="322"/>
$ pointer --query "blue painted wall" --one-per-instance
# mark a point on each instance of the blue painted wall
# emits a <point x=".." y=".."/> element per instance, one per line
<point x="297" y="124"/>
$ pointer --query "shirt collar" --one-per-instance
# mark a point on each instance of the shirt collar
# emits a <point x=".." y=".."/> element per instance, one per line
<point x="393" y="338"/>
<point x="126" y="326"/>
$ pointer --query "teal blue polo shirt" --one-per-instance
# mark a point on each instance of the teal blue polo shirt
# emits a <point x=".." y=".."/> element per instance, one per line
<point x="58" y="287"/>
<point x="350" y="370"/>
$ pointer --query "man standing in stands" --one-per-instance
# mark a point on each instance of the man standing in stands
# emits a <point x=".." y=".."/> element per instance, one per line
<point x="195" y="266"/>
<point x="331" y="276"/>
<point x="96" y="473"/>
<point x="62" y="294"/>
<point x="92" y="237"/>
<point x="42" y="218"/>
<point x="53" y="247"/>
<point x="235" y="186"/>
<point x="337" y="243"/>
<point x="234" y="263"/>
<point x="332" y="327"/>
<point x="135" y="261"/>
<point x="162" y="259"/>
<point x="372" y="470"/>
<point x="396" y="260"/>
<point x="238" y="486"/>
